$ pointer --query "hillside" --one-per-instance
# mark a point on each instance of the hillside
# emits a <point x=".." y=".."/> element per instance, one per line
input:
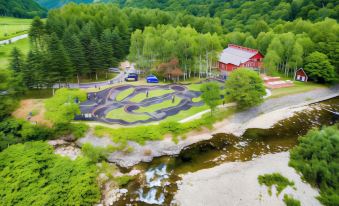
<point x="235" y="12"/>
<point x="21" y="8"/>
<point x="49" y="4"/>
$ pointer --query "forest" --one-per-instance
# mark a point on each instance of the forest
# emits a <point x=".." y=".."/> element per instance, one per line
<point x="21" y="8"/>
<point x="84" y="45"/>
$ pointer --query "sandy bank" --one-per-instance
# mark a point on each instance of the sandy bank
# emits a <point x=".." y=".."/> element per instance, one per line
<point x="236" y="184"/>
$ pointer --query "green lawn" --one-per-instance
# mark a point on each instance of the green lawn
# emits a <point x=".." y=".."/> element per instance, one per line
<point x="123" y="94"/>
<point x="11" y="27"/>
<point x="152" y="93"/>
<point x="5" y="51"/>
<point x="194" y="87"/>
<point x="162" y="105"/>
<point x="121" y="114"/>
<point x="299" y="87"/>
<point x="186" y="113"/>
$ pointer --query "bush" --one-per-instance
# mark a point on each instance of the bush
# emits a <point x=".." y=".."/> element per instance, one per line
<point x="316" y="157"/>
<point x="14" y="131"/>
<point x="61" y="108"/>
<point x="94" y="154"/>
<point x="31" y="174"/>
<point x="245" y="87"/>
<point x="123" y="180"/>
<point x="290" y="201"/>
<point x="276" y="179"/>
<point x="141" y="134"/>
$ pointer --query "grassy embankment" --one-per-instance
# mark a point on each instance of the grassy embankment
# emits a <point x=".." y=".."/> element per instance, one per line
<point x="299" y="87"/>
<point x="5" y="51"/>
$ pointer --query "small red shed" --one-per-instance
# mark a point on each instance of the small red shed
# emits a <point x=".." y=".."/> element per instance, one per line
<point x="300" y="75"/>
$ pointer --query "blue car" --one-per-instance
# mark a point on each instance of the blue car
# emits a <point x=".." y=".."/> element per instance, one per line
<point x="152" y="79"/>
<point x="131" y="77"/>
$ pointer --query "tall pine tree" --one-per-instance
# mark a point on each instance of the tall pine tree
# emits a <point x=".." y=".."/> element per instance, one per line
<point x="16" y="63"/>
<point x="59" y="65"/>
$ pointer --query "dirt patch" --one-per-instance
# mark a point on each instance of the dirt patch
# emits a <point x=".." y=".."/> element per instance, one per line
<point x="34" y="106"/>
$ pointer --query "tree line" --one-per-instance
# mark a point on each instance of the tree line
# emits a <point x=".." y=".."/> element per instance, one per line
<point x="195" y="52"/>
<point x="21" y="8"/>
<point x="85" y="40"/>
<point x="241" y="14"/>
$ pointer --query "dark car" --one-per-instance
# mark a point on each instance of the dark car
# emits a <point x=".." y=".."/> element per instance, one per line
<point x="131" y="77"/>
<point x="152" y="79"/>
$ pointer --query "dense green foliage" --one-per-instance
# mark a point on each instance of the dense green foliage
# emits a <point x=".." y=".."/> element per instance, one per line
<point x="242" y="13"/>
<point x="290" y="201"/>
<point x="319" y="68"/>
<point x="141" y="134"/>
<point x="317" y="158"/>
<point x="14" y="131"/>
<point x="245" y="87"/>
<point x="30" y="174"/>
<point x="195" y="51"/>
<point x="210" y="94"/>
<point x="21" y="8"/>
<point x="274" y="179"/>
<point x="63" y="106"/>
<point x="95" y="154"/>
<point x="10" y="88"/>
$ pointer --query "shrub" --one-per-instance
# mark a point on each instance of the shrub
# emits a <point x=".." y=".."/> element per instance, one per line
<point x="245" y="87"/>
<point x="290" y="201"/>
<point x="14" y="131"/>
<point x="123" y="180"/>
<point x="94" y="154"/>
<point x="62" y="108"/>
<point x="316" y="157"/>
<point x="31" y="174"/>
<point x="276" y="179"/>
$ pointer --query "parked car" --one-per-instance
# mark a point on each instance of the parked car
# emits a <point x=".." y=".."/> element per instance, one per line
<point x="131" y="77"/>
<point x="152" y="79"/>
<point x="114" y="70"/>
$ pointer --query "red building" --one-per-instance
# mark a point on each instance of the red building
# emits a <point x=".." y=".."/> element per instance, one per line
<point x="235" y="56"/>
<point x="300" y="75"/>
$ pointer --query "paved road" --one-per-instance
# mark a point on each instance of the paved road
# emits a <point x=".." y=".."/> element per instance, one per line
<point x="285" y="101"/>
<point x="14" y="39"/>
<point x="119" y="78"/>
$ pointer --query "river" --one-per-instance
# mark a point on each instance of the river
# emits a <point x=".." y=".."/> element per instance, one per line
<point x="157" y="183"/>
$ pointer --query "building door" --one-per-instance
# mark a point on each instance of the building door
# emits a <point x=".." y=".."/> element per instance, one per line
<point x="298" y="77"/>
<point x="303" y="79"/>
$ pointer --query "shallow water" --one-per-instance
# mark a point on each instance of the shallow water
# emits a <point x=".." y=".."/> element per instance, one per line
<point x="157" y="184"/>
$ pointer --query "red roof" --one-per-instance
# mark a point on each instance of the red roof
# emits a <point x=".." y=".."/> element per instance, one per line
<point x="237" y="55"/>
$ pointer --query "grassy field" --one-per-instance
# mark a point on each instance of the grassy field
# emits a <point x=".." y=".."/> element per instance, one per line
<point x="125" y="93"/>
<point x="121" y="114"/>
<point x="11" y="27"/>
<point x="152" y="93"/>
<point x="155" y="107"/>
<point x="299" y="87"/>
<point x="5" y="51"/>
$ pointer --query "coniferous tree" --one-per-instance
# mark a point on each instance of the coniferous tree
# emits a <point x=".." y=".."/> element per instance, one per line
<point x="16" y="63"/>
<point x="95" y="58"/>
<point x="59" y="65"/>
<point x="36" y="33"/>
<point x="75" y="52"/>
